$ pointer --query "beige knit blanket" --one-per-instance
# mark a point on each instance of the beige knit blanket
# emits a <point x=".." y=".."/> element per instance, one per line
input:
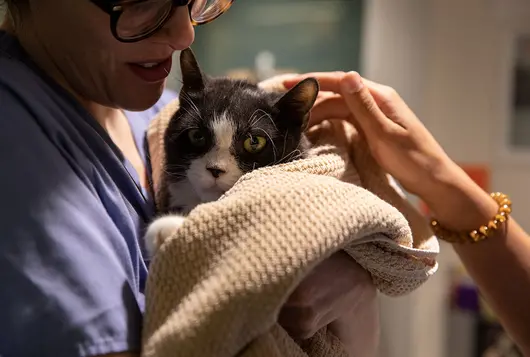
<point x="216" y="287"/>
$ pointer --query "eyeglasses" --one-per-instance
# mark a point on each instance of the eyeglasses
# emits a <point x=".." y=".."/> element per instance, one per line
<point x="135" y="20"/>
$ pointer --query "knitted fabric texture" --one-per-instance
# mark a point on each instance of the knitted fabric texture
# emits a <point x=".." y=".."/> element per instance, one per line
<point x="216" y="286"/>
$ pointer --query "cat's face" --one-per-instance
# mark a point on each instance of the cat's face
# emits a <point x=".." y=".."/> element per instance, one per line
<point x="226" y="128"/>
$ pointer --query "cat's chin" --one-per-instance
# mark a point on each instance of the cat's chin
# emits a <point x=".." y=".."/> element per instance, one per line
<point x="209" y="195"/>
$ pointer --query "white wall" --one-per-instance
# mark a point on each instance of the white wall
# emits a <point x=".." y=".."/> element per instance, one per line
<point x="451" y="61"/>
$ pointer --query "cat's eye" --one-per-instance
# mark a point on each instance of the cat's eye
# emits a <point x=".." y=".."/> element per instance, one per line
<point x="254" y="144"/>
<point x="196" y="137"/>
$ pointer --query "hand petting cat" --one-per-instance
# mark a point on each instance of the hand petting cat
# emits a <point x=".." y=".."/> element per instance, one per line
<point x="398" y="140"/>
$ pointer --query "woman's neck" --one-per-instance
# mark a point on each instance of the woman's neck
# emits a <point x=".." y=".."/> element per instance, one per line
<point x="115" y="123"/>
<point x="108" y="118"/>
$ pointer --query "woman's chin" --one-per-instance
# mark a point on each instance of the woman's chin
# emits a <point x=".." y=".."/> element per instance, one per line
<point x="142" y="98"/>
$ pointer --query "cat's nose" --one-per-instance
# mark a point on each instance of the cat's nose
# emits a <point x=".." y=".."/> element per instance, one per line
<point x="215" y="171"/>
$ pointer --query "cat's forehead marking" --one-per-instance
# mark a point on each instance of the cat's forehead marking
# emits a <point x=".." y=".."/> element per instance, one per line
<point x="251" y="92"/>
<point x="223" y="129"/>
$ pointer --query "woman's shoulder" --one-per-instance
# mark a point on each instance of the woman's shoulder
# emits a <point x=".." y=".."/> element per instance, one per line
<point x="35" y="116"/>
<point x="39" y="114"/>
<point x="64" y="229"/>
<point x="28" y="98"/>
<point x="18" y="71"/>
<point x="49" y="143"/>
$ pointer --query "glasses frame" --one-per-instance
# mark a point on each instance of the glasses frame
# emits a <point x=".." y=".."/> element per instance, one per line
<point x="115" y="8"/>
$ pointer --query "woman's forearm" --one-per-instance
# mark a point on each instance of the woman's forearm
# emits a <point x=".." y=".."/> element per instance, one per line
<point x="500" y="265"/>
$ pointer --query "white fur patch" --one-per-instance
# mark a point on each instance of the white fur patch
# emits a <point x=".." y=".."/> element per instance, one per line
<point x="161" y="229"/>
<point x="224" y="130"/>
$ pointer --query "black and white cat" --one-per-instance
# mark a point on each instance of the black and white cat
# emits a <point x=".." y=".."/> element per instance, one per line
<point x="223" y="129"/>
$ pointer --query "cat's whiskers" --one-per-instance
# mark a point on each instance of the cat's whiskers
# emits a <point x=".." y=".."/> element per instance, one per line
<point x="272" y="142"/>
<point x="284" y="143"/>
<point x="174" y="175"/>
<point x="185" y="99"/>
<point x="295" y="154"/>
<point x="254" y="119"/>
<point x="268" y="116"/>
<point x="186" y="110"/>
<point x="192" y="104"/>
<point x="185" y="96"/>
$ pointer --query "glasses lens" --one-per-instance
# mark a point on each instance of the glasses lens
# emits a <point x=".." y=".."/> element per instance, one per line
<point x="203" y="11"/>
<point x="140" y="18"/>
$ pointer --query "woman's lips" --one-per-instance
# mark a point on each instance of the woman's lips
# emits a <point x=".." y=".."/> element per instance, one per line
<point x="152" y="71"/>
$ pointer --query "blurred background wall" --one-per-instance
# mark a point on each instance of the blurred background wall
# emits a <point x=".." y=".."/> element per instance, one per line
<point x="453" y="61"/>
<point x="462" y="65"/>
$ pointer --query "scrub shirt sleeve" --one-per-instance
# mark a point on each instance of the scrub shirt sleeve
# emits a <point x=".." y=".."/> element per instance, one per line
<point x="66" y="282"/>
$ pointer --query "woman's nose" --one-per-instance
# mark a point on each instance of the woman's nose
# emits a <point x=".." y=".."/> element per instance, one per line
<point x="178" y="31"/>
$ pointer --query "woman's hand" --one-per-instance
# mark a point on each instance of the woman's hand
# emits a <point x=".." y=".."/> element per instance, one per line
<point x="339" y="294"/>
<point x="397" y="139"/>
<point x="401" y="144"/>
<point x="405" y="149"/>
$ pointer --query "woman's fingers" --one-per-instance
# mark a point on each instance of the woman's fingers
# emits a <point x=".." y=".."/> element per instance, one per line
<point x="328" y="81"/>
<point x="360" y="101"/>
<point x="329" y="107"/>
<point x="362" y="104"/>
<point x="373" y="106"/>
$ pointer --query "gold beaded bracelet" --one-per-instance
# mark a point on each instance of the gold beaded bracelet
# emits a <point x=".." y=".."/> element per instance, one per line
<point x="505" y="208"/>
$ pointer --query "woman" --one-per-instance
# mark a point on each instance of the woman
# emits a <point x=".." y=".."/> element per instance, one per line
<point x="500" y="262"/>
<point x="79" y="82"/>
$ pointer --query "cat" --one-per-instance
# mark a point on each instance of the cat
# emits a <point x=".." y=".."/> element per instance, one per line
<point x="224" y="129"/>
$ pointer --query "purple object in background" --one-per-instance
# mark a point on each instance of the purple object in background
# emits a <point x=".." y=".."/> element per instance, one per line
<point x="467" y="297"/>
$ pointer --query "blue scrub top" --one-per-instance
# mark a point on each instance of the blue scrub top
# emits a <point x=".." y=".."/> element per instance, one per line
<point x="72" y="268"/>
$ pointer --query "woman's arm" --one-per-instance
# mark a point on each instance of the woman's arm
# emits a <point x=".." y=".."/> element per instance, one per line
<point x="406" y="149"/>
<point x="500" y="265"/>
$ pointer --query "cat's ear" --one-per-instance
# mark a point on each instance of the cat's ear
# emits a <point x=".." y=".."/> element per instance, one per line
<point x="192" y="76"/>
<point x="298" y="101"/>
